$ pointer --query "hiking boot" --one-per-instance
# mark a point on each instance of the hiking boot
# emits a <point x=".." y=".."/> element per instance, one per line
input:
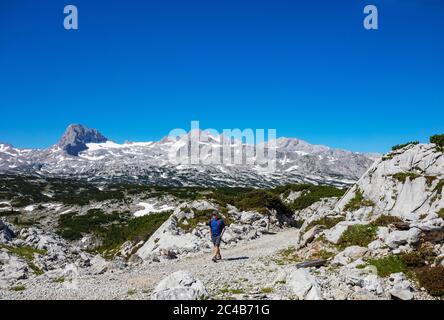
<point x="218" y="257"/>
<point x="214" y="259"/>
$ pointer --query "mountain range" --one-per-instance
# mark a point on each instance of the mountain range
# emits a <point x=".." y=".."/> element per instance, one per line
<point x="85" y="153"/>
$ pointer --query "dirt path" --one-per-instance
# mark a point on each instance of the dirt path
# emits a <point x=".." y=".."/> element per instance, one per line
<point x="247" y="269"/>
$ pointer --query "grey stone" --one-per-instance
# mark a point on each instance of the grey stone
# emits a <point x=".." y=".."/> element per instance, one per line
<point x="180" y="285"/>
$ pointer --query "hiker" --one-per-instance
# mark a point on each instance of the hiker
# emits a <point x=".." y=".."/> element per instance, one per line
<point x="217" y="229"/>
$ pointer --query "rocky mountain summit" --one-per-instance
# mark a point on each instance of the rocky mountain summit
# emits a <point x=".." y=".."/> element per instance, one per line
<point x="76" y="138"/>
<point x="84" y="153"/>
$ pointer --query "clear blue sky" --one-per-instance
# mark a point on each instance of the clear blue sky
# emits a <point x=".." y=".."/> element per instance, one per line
<point x="137" y="69"/>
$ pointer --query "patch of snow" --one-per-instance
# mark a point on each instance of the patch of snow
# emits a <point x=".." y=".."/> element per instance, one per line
<point x="66" y="211"/>
<point x="29" y="208"/>
<point x="101" y="146"/>
<point x="149" y="208"/>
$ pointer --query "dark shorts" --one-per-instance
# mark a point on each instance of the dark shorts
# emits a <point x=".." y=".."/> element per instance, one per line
<point x="216" y="240"/>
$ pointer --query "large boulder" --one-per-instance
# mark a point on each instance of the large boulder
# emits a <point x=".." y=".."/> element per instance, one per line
<point x="180" y="285"/>
<point x="364" y="278"/>
<point x="349" y="255"/>
<point x="169" y="238"/>
<point x="310" y="235"/>
<point x="304" y="285"/>
<point x="250" y="217"/>
<point x="99" y="265"/>
<point x="397" y="238"/>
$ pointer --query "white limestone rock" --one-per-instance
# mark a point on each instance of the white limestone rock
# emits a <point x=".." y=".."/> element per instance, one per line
<point x="180" y="285"/>
<point x="304" y="285"/>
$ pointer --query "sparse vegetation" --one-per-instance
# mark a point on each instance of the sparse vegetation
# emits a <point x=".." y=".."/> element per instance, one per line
<point x="112" y="229"/>
<point x="432" y="278"/>
<point x="200" y="216"/>
<point x="416" y="265"/>
<point x="438" y="139"/>
<point x="439" y="187"/>
<point x="400" y="146"/>
<point x="324" y="254"/>
<point x="441" y="213"/>
<point x="231" y="291"/>
<point x="135" y="230"/>
<point x="358" y="235"/>
<point x="60" y="280"/>
<point x="287" y="256"/>
<point x="357" y="202"/>
<point x="388" y="265"/>
<point x="267" y="290"/>
<point x="430" y="179"/>
<point x="261" y="201"/>
<point x="402" y="176"/>
<point x="327" y="222"/>
<point x="383" y="221"/>
<point x="418" y="258"/>
<point x="73" y="226"/>
<point x="131" y="292"/>
<point x="310" y="194"/>
<point x="18" y="288"/>
<point x="27" y="253"/>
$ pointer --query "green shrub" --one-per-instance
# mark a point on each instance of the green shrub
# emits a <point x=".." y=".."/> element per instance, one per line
<point x="400" y="146"/>
<point x="267" y="290"/>
<point x="430" y="179"/>
<point x="438" y="139"/>
<point x="73" y="226"/>
<point x="310" y="194"/>
<point x="327" y="222"/>
<point x="419" y="258"/>
<point x="432" y="278"/>
<point x="402" y="176"/>
<point x="441" y="213"/>
<point x="358" y="235"/>
<point x="200" y="216"/>
<point x="27" y="253"/>
<point x="357" y="202"/>
<point x="388" y="265"/>
<point x="384" y="221"/>
<point x="439" y="187"/>
<point x="18" y="288"/>
<point x="324" y="254"/>
<point x="261" y="200"/>
<point x="287" y="256"/>
<point x="136" y="230"/>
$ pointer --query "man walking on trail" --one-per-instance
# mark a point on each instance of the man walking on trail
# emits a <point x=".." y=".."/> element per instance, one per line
<point x="217" y="229"/>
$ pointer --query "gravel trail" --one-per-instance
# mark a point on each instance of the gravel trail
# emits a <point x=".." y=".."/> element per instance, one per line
<point x="247" y="271"/>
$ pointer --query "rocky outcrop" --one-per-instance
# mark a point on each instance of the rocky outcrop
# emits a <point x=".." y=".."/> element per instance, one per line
<point x="397" y="206"/>
<point x="180" y="285"/>
<point x="35" y="252"/>
<point x="407" y="183"/>
<point x="304" y="285"/>
<point x="76" y="137"/>
<point x="176" y="237"/>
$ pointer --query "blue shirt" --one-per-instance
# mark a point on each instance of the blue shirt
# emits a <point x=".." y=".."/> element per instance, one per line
<point x="217" y="226"/>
